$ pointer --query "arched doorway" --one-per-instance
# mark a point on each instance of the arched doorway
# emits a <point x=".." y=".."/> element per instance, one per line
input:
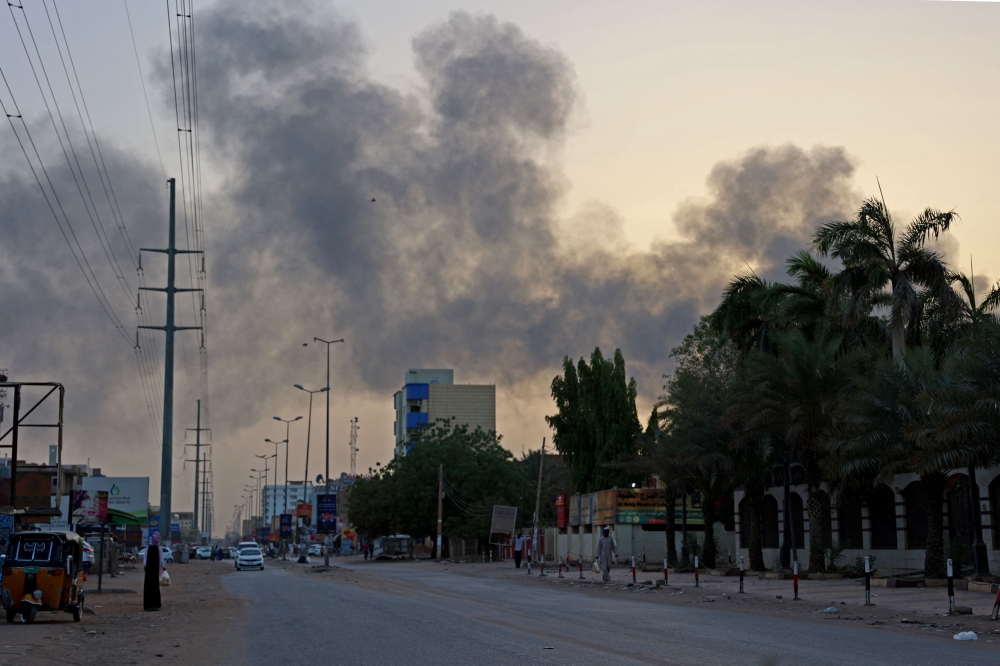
<point x="849" y="528"/>
<point x="798" y="522"/>
<point x="769" y="521"/>
<point x="994" y="489"/>
<point x="745" y="522"/>
<point x="882" y="511"/>
<point x="959" y="521"/>
<point x="915" y="498"/>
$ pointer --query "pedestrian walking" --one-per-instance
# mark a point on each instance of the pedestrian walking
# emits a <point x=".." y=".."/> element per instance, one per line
<point x="218" y="553"/>
<point x="518" y="550"/>
<point x="606" y="548"/>
<point x="153" y="564"/>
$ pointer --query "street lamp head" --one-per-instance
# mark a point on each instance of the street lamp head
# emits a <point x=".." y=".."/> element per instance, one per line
<point x="297" y="418"/>
<point x="276" y="418"/>
<point x="325" y="388"/>
<point x="298" y="386"/>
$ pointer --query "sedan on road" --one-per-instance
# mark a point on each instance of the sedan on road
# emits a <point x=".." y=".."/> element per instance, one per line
<point x="166" y="556"/>
<point x="250" y="558"/>
<point x="204" y="553"/>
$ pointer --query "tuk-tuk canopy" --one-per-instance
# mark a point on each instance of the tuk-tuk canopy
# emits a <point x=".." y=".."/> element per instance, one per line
<point x="43" y="547"/>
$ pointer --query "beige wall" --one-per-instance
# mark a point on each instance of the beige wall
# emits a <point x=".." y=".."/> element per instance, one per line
<point x="469" y="404"/>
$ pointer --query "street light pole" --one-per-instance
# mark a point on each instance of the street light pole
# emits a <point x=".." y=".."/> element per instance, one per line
<point x="326" y="476"/>
<point x="288" y="427"/>
<point x="309" y="424"/>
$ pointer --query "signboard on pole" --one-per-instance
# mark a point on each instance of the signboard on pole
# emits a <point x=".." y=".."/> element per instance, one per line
<point x="286" y="526"/>
<point x="504" y="519"/>
<point x="101" y="506"/>
<point x="126" y="495"/>
<point x="326" y="513"/>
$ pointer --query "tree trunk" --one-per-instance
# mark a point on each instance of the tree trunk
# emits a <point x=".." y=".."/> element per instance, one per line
<point x="817" y="555"/>
<point x="755" y="543"/>
<point x="897" y="335"/>
<point x="708" y="550"/>
<point x="934" y="553"/>
<point x="670" y="531"/>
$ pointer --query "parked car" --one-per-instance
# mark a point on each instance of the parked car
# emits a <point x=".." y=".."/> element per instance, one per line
<point x="231" y="553"/>
<point x="165" y="555"/>
<point x="250" y="558"/>
<point x="316" y="549"/>
<point x="88" y="556"/>
<point x="204" y="553"/>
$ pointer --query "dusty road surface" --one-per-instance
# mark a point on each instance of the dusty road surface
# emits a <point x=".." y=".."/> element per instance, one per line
<point x="380" y="613"/>
<point x="193" y="627"/>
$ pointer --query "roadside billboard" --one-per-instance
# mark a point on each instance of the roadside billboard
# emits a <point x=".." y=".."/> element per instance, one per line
<point x="128" y="497"/>
<point x="604" y="508"/>
<point x="326" y="513"/>
<point x="504" y="519"/>
<point x="574" y="510"/>
<point x="586" y="502"/>
<point x="694" y="514"/>
<point x="641" y="506"/>
<point x="286" y="526"/>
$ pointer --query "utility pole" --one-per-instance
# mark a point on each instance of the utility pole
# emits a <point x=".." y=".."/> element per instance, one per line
<point x="166" y="461"/>
<point x="538" y="499"/>
<point x="440" y="507"/>
<point x="354" y="445"/>
<point x="197" y="468"/>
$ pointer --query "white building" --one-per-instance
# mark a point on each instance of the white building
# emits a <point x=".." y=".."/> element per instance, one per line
<point x="275" y="502"/>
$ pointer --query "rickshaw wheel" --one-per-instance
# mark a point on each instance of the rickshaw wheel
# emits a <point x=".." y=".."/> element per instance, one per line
<point x="28" y="614"/>
<point x="10" y="616"/>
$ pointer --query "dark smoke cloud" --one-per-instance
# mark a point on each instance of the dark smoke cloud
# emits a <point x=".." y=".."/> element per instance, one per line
<point x="461" y="261"/>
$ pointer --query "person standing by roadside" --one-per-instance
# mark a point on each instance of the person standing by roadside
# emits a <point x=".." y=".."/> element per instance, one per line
<point x="153" y="564"/>
<point x="606" y="548"/>
<point x="112" y="557"/>
<point x="518" y="550"/>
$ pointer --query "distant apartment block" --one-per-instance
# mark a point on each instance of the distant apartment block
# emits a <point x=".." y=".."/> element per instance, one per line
<point x="429" y="395"/>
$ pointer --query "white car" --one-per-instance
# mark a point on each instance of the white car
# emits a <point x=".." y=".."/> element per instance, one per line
<point x="316" y="550"/>
<point x="250" y="558"/>
<point x="165" y="555"/>
<point x="88" y="554"/>
<point x="204" y="553"/>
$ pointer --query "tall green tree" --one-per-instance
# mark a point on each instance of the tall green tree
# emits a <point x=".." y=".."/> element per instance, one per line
<point x="596" y="421"/>
<point x="883" y="268"/>
<point x="794" y="392"/>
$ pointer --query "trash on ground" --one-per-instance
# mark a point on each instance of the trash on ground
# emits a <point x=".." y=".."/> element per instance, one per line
<point x="831" y="609"/>
<point x="966" y="636"/>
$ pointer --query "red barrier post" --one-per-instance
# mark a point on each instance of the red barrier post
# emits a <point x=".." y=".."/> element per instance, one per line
<point x="795" y="580"/>
<point x="581" y="567"/>
<point x="633" y="569"/>
<point x="696" y="571"/>
<point x="666" y="573"/>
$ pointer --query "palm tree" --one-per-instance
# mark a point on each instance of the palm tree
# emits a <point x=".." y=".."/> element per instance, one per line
<point x="794" y="392"/>
<point x="869" y="441"/>
<point x="883" y="268"/>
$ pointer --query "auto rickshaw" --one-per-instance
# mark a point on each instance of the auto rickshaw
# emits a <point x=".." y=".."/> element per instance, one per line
<point x="42" y="572"/>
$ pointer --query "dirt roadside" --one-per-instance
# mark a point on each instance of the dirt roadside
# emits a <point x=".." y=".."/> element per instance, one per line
<point x="905" y="611"/>
<point x="195" y="626"/>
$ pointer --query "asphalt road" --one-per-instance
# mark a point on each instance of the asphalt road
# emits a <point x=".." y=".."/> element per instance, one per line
<point x="447" y="618"/>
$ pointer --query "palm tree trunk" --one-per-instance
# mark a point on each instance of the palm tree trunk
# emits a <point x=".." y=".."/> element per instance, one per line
<point x="817" y="558"/>
<point x="934" y="553"/>
<point x="755" y="544"/>
<point x="897" y="335"/>
<point x="708" y="550"/>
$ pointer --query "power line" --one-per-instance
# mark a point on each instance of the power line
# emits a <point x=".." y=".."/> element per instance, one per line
<point x="145" y="96"/>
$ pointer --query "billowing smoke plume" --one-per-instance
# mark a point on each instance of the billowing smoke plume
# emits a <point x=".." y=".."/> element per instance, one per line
<point x="421" y="226"/>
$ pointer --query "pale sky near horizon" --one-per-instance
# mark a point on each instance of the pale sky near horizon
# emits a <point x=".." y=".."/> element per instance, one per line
<point x="667" y="90"/>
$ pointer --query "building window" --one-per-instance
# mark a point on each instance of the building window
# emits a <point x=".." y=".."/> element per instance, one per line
<point x="769" y="521"/>
<point x="882" y="511"/>
<point x="915" y="498"/>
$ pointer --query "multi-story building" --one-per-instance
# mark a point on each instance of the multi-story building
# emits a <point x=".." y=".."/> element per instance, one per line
<point x="428" y="395"/>
<point x="275" y="503"/>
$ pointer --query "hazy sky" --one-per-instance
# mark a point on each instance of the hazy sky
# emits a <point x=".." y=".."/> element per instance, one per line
<point x="548" y="177"/>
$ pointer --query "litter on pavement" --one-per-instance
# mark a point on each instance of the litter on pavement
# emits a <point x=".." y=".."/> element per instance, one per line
<point x="966" y="636"/>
